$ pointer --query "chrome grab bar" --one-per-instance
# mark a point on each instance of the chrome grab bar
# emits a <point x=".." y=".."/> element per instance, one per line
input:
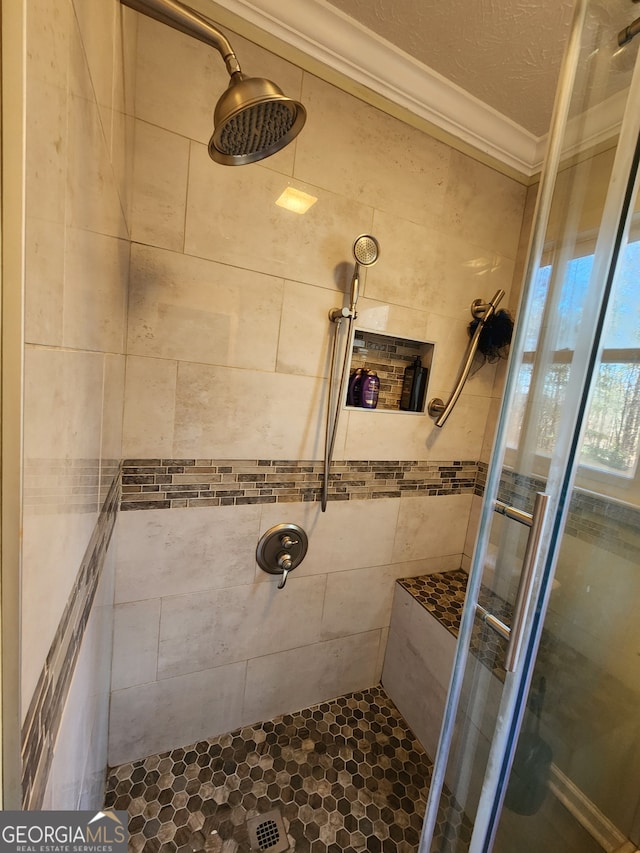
<point x="515" y="634"/>
<point x="481" y="311"/>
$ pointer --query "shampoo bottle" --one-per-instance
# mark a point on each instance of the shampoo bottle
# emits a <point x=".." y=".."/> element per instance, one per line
<point x="354" y="390"/>
<point x="370" y="390"/>
<point x="414" y="384"/>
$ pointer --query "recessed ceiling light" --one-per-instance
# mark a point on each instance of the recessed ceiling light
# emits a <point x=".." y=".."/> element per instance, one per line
<point x="295" y="200"/>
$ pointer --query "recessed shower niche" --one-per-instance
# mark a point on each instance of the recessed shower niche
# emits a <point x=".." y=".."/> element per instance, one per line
<point x="402" y="367"/>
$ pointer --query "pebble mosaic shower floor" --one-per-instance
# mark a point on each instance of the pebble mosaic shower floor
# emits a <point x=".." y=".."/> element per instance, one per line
<point x="346" y="775"/>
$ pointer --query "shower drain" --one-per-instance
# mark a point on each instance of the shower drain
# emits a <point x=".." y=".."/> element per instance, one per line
<point x="267" y="832"/>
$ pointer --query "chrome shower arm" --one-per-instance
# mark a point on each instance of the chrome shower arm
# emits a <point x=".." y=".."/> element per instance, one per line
<point x="191" y="23"/>
<point x="482" y="312"/>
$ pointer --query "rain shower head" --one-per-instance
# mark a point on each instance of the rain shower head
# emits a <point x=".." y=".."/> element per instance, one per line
<point x="253" y="119"/>
<point x="366" y="251"/>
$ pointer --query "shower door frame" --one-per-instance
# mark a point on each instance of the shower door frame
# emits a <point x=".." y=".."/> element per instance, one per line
<point x="625" y="176"/>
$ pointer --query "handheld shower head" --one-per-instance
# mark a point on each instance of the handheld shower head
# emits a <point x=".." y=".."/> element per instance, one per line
<point x="366" y="251"/>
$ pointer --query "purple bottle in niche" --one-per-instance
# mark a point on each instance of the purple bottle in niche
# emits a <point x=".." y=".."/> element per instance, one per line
<point x="370" y="390"/>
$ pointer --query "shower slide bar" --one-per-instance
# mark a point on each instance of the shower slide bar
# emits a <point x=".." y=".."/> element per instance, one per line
<point x="481" y="311"/>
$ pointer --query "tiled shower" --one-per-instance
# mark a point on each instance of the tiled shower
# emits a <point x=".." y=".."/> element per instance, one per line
<point x="176" y="347"/>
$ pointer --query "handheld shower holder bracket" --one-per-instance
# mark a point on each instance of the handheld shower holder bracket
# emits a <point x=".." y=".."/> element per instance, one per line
<point x="338" y="314"/>
<point x="479" y="308"/>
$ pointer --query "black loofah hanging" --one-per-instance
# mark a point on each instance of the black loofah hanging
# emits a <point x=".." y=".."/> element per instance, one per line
<point x="495" y="336"/>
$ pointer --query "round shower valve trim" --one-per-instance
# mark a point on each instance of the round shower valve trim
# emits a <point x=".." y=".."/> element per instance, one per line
<point x="281" y="549"/>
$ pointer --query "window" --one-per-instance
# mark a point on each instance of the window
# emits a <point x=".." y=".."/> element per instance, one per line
<point x="612" y="434"/>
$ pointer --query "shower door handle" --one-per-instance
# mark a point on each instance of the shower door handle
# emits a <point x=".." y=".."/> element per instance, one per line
<point x="515" y="634"/>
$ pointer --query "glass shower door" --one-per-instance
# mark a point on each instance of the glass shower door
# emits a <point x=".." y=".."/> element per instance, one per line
<point x="540" y="745"/>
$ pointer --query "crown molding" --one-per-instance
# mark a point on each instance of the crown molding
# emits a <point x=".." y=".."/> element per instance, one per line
<point x="323" y="40"/>
<point x="327" y="36"/>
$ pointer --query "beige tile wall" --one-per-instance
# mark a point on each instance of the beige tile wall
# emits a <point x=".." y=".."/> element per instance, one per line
<point x="228" y="343"/>
<point x="236" y="290"/>
<point x="79" y="90"/>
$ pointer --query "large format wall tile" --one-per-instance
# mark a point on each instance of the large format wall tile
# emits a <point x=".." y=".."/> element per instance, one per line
<point x="349" y="535"/>
<point x="112" y="406"/>
<point x="95" y="292"/>
<point x="233" y="218"/>
<point x="294" y="679"/>
<point x="178" y="95"/>
<point x="245" y="414"/>
<point x="417" y="667"/>
<point x="136" y="627"/>
<point x="185" y="550"/>
<point x="190" y="309"/>
<point x="359" y="600"/>
<point x="44" y="291"/>
<point x="238" y="623"/>
<point x="92" y="196"/>
<point x="47" y="149"/>
<point x="466" y="270"/>
<point x="407" y="272"/>
<point x="191" y="705"/>
<point x="425" y="526"/>
<point x="352" y="148"/>
<point x="383" y="432"/>
<point x="149" y="408"/>
<point x="97" y="27"/>
<point x="472" y="190"/>
<point x="380" y="316"/>
<point x="306" y="333"/>
<point x="160" y="171"/>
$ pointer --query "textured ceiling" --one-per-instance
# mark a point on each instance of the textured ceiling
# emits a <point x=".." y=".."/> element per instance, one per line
<point x="507" y="53"/>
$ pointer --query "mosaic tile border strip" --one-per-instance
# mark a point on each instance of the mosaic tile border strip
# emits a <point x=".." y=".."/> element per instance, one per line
<point x="42" y="722"/>
<point x="605" y="522"/>
<point x="179" y="483"/>
<point x="55" y="486"/>
<point x="346" y="775"/>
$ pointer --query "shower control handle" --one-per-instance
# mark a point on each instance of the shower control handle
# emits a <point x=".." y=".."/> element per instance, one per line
<point x="285" y="562"/>
<point x="281" y="549"/>
<point x="285" y="575"/>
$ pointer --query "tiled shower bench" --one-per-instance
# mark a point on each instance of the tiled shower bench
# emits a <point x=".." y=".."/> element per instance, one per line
<point x="586" y="708"/>
<point x="420" y="649"/>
